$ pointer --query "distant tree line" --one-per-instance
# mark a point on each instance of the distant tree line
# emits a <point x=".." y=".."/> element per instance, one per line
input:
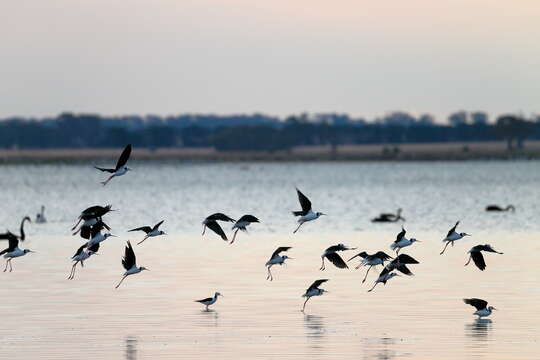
<point x="260" y="132"/>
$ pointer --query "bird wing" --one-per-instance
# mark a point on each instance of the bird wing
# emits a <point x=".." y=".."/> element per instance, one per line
<point x="105" y="169"/>
<point x="220" y="217"/>
<point x="13" y="242"/>
<point x="146" y="229"/>
<point x="405" y="259"/>
<point x="452" y="229"/>
<point x="387" y="269"/>
<point x="94" y="248"/>
<point x="86" y="232"/>
<point x="158" y="225"/>
<point x="248" y="218"/>
<point x="400" y="235"/>
<point x="485" y="247"/>
<point x="362" y="254"/>
<point x="478" y="259"/>
<point x="304" y="201"/>
<point x="404" y="269"/>
<point x="479" y="304"/>
<point x="124" y="157"/>
<point x="129" y="259"/>
<point x="337" y="260"/>
<point x="215" y="227"/>
<point x="316" y="284"/>
<point x="280" y="249"/>
<point x="79" y="250"/>
<point x="382" y="255"/>
<point x="204" y="300"/>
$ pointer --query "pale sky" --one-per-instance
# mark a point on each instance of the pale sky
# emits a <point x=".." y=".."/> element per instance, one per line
<point x="278" y="57"/>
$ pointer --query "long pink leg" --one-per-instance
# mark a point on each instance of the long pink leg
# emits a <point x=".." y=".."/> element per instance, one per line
<point x="109" y="179"/>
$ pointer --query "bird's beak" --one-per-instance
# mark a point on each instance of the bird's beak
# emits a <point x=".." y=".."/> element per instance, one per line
<point x="164" y="233"/>
<point x="467" y="234"/>
<point x="323" y="214"/>
<point x="493" y="309"/>
<point x="31" y="251"/>
<point x="291" y="258"/>
<point x="147" y="269"/>
<point x="113" y="235"/>
<point x="418" y="241"/>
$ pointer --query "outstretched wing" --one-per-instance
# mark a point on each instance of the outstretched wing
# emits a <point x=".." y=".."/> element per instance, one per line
<point x="400" y="235"/>
<point x="220" y="217"/>
<point x="337" y="260"/>
<point x="124" y="157"/>
<point x="280" y="249"/>
<point x="94" y="248"/>
<point x="13" y="242"/>
<point x="79" y="250"/>
<point x="146" y="229"/>
<point x="382" y="255"/>
<point x="478" y="259"/>
<point x="304" y="202"/>
<point x="404" y="269"/>
<point x="316" y="284"/>
<point x="129" y="259"/>
<point x="248" y="218"/>
<point x="405" y="259"/>
<point x="479" y="304"/>
<point x="452" y="229"/>
<point x="158" y="225"/>
<point x="215" y="227"/>
<point x="105" y="169"/>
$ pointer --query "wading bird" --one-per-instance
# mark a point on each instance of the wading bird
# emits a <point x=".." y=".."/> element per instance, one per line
<point x="150" y="231"/>
<point x="120" y="168"/>
<point x="209" y="301"/>
<point x="8" y="235"/>
<point x="80" y="256"/>
<point x="372" y="260"/>
<point x="129" y="262"/>
<point x="332" y="255"/>
<point x="383" y="278"/>
<point x="482" y="310"/>
<point x="306" y="214"/>
<point x="13" y="251"/>
<point x="453" y="236"/>
<point x="91" y="216"/>
<point x="40" y="217"/>
<point x="389" y="217"/>
<point x="243" y="223"/>
<point x="402" y="241"/>
<point x="476" y="255"/>
<point x="313" y="290"/>
<point x="97" y="238"/>
<point x="212" y="223"/>
<point x="276" y="259"/>
<point x="498" y="208"/>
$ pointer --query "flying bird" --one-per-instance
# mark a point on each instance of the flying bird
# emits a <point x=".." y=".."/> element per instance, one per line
<point x="212" y="223"/>
<point x="476" y="255"/>
<point x="80" y="256"/>
<point x="120" y="168"/>
<point x="482" y="310"/>
<point x="91" y="216"/>
<point x="150" y="231"/>
<point x="453" y="236"/>
<point x="129" y="262"/>
<point x="400" y="264"/>
<point x="388" y="217"/>
<point x="384" y="276"/>
<point x="209" y="301"/>
<point x="499" y="209"/>
<point x="276" y="259"/>
<point x="402" y="241"/>
<point x="13" y="251"/>
<point x="372" y="260"/>
<point x="243" y="223"/>
<point x="313" y="290"/>
<point x="306" y="214"/>
<point x="332" y="255"/>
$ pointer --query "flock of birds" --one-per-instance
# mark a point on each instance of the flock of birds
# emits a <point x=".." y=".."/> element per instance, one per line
<point x="91" y="227"/>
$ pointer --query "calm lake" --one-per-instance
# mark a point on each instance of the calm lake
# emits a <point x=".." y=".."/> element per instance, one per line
<point x="153" y="315"/>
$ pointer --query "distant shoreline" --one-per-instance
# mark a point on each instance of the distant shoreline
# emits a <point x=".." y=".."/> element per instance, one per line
<point x="380" y="152"/>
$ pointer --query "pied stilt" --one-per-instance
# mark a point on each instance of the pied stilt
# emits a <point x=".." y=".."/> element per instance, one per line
<point x="276" y="259"/>
<point x="306" y="214"/>
<point x="82" y="254"/>
<point x="372" y="260"/>
<point x="209" y="301"/>
<point x="150" y="231"/>
<point x="384" y="276"/>
<point x="120" y="168"/>
<point x="332" y="255"/>
<point x="388" y="217"/>
<point x="97" y="237"/>
<point x="482" y="310"/>
<point x="401" y="241"/>
<point x="91" y="216"/>
<point x="313" y="290"/>
<point x="40" y="217"/>
<point x="22" y="236"/>
<point x="476" y="255"/>
<point x="243" y="223"/>
<point x="13" y="251"/>
<point x="400" y="264"/>
<point x="212" y="223"/>
<point x="129" y="262"/>
<point x="453" y="236"/>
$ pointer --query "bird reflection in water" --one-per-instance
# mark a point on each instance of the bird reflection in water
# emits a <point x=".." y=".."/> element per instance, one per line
<point x="380" y="349"/>
<point x="315" y="329"/>
<point x="479" y="329"/>
<point x="131" y="348"/>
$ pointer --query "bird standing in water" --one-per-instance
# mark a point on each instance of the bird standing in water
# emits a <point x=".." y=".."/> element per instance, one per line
<point x="482" y="310"/>
<point x="209" y="301"/>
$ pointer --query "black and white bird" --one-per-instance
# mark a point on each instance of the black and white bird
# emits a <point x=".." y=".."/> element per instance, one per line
<point x="22" y="236"/>
<point x="88" y="232"/>
<point x="332" y="255"/>
<point x="314" y="290"/>
<point x="476" y="255"/>
<point x="150" y="231"/>
<point x="499" y="208"/>
<point x="82" y="254"/>
<point x="209" y="301"/>
<point x="13" y="251"/>
<point x="372" y="260"/>
<point x="482" y="308"/>
<point x="91" y="216"/>
<point x="40" y="216"/>
<point x="120" y="168"/>
<point x="400" y="264"/>
<point x="276" y="259"/>
<point x="212" y="223"/>
<point x="401" y="241"/>
<point x="306" y="214"/>
<point x="242" y="224"/>
<point x="129" y="262"/>
<point x="97" y="237"/>
<point x="453" y="236"/>
<point x="389" y="217"/>
<point x="384" y="276"/>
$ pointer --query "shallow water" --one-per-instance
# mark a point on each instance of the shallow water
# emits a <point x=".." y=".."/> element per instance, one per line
<point x="153" y="316"/>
